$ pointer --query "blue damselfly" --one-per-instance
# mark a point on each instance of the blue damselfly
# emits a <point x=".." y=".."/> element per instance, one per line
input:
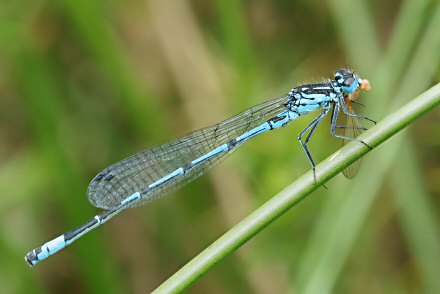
<point x="158" y="171"/>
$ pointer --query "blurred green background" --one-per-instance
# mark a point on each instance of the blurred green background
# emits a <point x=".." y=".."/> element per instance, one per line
<point x="84" y="84"/>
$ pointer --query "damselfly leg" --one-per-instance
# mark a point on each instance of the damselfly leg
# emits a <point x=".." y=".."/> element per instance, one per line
<point x="352" y="128"/>
<point x="312" y="127"/>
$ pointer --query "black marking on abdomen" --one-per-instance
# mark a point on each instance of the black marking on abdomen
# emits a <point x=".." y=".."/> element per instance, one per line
<point x="72" y="234"/>
<point x="278" y="118"/>
<point x="186" y="167"/>
<point x="231" y="144"/>
<point x="145" y="191"/>
<point x="275" y="120"/>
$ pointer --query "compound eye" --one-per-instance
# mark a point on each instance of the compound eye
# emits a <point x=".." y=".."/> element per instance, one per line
<point x="348" y="82"/>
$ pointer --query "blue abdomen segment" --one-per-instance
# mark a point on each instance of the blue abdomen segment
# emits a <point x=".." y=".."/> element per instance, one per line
<point x="68" y="238"/>
<point x="46" y="250"/>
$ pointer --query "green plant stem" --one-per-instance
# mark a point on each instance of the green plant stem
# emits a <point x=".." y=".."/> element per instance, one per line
<point x="298" y="190"/>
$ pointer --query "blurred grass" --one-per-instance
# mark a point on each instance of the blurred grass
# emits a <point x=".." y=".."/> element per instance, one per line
<point x="84" y="84"/>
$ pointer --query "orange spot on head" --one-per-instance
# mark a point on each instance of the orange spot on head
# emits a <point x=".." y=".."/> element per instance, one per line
<point x="365" y="85"/>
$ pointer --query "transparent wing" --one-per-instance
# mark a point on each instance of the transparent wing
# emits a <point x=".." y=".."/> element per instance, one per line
<point x="136" y="172"/>
<point x="352" y="130"/>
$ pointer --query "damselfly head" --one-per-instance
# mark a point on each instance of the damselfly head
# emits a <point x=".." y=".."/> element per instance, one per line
<point x="350" y="82"/>
<point x="347" y="80"/>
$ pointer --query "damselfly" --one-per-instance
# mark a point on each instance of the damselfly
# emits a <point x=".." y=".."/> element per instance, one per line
<point x="158" y="171"/>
